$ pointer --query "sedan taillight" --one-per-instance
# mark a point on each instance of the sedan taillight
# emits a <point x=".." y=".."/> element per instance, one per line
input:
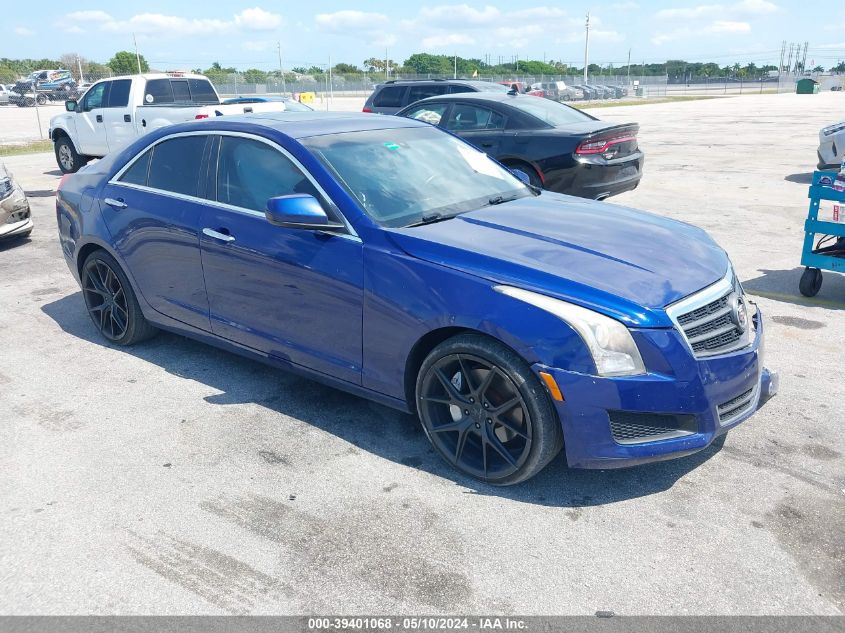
<point x="201" y="116"/>
<point x="600" y="146"/>
<point x="366" y="109"/>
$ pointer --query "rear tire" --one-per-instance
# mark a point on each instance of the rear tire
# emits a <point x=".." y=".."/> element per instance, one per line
<point x="485" y="412"/>
<point x="530" y="173"/>
<point x="68" y="159"/>
<point x="811" y="282"/>
<point x="111" y="302"/>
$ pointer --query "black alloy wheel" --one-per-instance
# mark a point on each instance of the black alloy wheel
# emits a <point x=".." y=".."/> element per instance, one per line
<point x="106" y="300"/>
<point x="111" y="302"/>
<point x="485" y="412"/>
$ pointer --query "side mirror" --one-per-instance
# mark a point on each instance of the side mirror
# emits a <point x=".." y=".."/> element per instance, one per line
<point x="70" y="105"/>
<point x="299" y="211"/>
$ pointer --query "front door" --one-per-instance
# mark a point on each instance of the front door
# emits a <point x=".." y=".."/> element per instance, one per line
<point x="90" y="125"/>
<point x="117" y="117"/>
<point x="294" y="294"/>
<point x="152" y="211"/>
<point x="477" y="125"/>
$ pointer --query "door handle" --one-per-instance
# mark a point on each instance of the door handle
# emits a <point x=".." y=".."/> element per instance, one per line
<point x="116" y="204"/>
<point x="127" y="118"/>
<point x="99" y="118"/>
<point x="217" y="235"/>
<point x="487" y="145"/>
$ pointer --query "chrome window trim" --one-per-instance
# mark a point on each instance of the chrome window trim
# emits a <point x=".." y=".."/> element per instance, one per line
<point x="115" y="180"/>
<point x="700" y="299"/>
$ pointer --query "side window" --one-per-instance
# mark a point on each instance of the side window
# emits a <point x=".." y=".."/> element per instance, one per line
<point x="202" y="91"/>
<point x="97" y="96"/>
<point x="175" y="165"/>
<point x="119" y="94"/>
<point x="456" y="88"/>
<point x="137" y="174"/>
<point x="250" y="172"/>
<point x="389" y="97"/>
<point x="469" y="117"/>
<point x="429" y="112"/>
<point x="181" y="94"/>
<point x="158" y="91"/>
<point x="415" y="93"/>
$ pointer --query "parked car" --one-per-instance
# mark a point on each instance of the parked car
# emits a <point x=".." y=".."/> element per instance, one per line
<point x="385" y="257"/>
<point x="549" y="90"/>
<point x="548" y="144"/>
<point x="15" y="217"/>
<point x="291" y="105"/>
<point x="5" y="93"/>
<point x="393" y="95"/>
<point x="590" y="92"/>
<point x="114" y="112"/>
<point x="831" y="150"/>
<point x="569" y="93"/>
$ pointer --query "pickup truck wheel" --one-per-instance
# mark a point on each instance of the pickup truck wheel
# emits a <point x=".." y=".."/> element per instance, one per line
<point x="41" y="99"/>
<point x="66" y="156"/>
<point x="485" y="411"/>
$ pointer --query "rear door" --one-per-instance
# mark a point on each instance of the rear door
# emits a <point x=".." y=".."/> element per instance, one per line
<point x="117" y="117"/>
<point x="424" y="91"/>
<point x="152" y="209"/>
<point x="481" y="126"/>
<point x="91" y="138"/>
<point x="390" y="99"/>
<point x="295" y="294"/>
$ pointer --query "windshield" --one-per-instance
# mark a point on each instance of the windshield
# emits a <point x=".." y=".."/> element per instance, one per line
<point x="549" y="112"/>
<point x="405" y="176"/>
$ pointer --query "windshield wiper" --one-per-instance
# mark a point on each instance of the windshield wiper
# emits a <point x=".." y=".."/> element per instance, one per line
<point x="501" y="199"/>
<point x="431" y="218"/>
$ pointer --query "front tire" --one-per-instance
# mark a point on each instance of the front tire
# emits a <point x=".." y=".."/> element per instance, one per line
<point x="111" y="302"/>
<point x="68" y="159"/>
<point x="485" y="411"/>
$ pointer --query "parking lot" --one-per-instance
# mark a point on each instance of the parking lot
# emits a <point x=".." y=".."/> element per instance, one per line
<point x="173" y="478"/>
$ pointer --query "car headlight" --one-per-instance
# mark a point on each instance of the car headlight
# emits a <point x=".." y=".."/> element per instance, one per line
<point x="6" y="186"/>
<point x="610" y="343"/>
<point x="833" y="129"/>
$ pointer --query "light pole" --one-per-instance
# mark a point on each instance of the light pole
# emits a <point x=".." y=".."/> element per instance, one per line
<point x="586" y="47"/>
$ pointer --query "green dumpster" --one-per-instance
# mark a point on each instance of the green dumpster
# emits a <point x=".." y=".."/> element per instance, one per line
<point x="807" y="86"/>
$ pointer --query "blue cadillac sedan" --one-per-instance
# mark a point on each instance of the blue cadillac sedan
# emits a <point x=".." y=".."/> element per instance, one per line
<point x="386" y="257"/>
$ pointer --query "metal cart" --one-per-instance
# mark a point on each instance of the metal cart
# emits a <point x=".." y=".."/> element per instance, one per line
<point x="828" y="253"/>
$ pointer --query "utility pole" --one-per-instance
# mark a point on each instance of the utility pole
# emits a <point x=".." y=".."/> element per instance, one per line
<point x="137" y="56"/>
<point x="804" y="60"/>
<point x="281" y="70"/>
<point x="789" y="59"/>
<point x="331" y="82"/>
<point x="456" y="66"/>
<point x="629" y="66"/>
<point x="386" y="66"/>
<point x="586" y="47"/>
<point x="79" y="66"/>
<point x="782" y="54"/>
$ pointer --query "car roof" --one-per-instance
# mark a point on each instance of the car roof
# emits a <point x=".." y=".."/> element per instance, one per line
<point x="298" y="124"/>
<point x="414" y="82"/>
<point x="501" y="97"/>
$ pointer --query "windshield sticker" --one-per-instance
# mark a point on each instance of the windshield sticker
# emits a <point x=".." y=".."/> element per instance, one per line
<point x="392" y="146"/>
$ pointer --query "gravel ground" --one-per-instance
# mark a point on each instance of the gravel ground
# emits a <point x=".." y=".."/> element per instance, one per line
<point x="174" y="478"/>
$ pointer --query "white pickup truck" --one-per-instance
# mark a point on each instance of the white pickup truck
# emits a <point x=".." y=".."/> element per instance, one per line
<point x="115" y="111"/>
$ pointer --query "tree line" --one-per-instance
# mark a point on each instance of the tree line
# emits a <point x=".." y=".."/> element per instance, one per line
<point x="126" y="63"/>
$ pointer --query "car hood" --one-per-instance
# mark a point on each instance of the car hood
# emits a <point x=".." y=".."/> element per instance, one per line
<point x="625" y="263"/>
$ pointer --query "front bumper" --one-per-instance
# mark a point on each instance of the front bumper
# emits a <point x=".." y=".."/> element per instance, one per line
<point x="681" y="388"/>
